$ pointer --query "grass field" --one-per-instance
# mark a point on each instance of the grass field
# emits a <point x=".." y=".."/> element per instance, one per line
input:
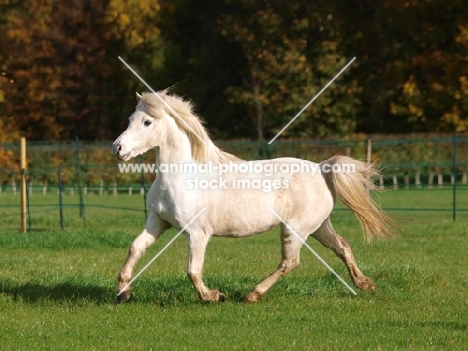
<point x="57" y="289"/>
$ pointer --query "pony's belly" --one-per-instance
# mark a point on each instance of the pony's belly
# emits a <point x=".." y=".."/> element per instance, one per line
<point x="246" y="232"/>
<point x="241" y="222"/>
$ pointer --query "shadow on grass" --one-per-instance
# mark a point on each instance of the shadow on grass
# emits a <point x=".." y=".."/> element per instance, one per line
<point x="165" y="290"/>
<point x="434" y="325"/>
<point x="177" y="290"/>
<point x="65" y="292"/>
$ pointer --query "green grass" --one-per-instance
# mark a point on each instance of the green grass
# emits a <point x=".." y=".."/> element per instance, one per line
<point x="57" y="289"/>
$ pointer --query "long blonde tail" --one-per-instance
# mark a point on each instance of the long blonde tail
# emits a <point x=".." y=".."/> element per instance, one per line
<point x="352" y="180"/>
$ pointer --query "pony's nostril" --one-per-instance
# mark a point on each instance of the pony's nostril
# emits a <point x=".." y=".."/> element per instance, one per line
<point x="116" y="148"/>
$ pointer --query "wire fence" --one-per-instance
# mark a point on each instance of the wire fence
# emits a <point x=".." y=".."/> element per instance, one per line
<point x="89" y="170"/>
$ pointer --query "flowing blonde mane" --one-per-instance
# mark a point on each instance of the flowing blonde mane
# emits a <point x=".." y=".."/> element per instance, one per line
<point x="191" y="124"/>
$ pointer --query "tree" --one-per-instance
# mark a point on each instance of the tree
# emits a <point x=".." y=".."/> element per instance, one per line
<point x="22" y="66"/>
<point x="248" y="66"/>
<point x="131" y="31"/>
<point x="285" y="66"/>
<point x="200" y="63"/>
<point x="61" y="65"/>
<point x="414" y="67"/>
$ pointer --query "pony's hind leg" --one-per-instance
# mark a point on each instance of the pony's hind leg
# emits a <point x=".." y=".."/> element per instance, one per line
<point x="327" y="236"/>
<point x="290" y="249"/>
<point x="153" y="229"/>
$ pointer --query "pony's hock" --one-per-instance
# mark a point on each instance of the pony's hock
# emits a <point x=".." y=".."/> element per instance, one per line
<point x="167" y="123"/>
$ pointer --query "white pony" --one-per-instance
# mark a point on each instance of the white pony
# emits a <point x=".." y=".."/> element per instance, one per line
<point x="303" y="200"/>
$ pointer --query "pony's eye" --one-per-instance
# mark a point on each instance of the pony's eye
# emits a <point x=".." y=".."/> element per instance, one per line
<point x="147" y="123"/>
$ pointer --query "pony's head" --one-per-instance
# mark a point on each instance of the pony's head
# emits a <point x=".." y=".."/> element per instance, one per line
<point x="155" y="121"/>
<point x="145" y="129"/>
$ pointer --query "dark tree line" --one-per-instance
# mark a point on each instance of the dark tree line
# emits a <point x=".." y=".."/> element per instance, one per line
<point x="249" y="66"/>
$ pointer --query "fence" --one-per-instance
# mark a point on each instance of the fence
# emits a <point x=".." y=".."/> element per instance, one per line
<point x="90" y="168"/>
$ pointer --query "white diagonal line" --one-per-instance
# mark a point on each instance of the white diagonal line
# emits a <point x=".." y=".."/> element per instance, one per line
<point x="311" y="101"/>
<point x="162" y="100"/>
<point x="312" y="250"/>
<point x="160" y="252"/>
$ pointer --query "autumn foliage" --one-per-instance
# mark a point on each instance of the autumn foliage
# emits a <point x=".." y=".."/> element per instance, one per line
<point x="249" y="66"/>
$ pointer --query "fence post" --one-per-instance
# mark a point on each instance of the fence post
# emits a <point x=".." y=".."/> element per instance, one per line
<point x="23" y="185"/>
<point x="417" y="179"/>
<point x="78" y="177"/>
<point x="347" y="151"/>
<point x="369" y="153"/>
<point x="28" y="209"/>
<point x="59" y="180"/>
<point x="454" y="172"/>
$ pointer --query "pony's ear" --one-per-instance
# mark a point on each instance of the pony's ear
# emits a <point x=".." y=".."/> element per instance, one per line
<point x="138" y="96"/>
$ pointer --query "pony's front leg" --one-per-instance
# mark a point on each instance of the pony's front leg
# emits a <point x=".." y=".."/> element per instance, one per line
<point x="197" y="246"/>
<point x="153" y="230"/>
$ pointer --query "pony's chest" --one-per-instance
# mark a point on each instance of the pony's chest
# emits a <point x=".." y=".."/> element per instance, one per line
<point x="160" y="203"/>
<point x="165" y="202"/>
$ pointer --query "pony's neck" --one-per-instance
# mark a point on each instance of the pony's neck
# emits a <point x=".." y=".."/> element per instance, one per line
<point x="176" y="148"/>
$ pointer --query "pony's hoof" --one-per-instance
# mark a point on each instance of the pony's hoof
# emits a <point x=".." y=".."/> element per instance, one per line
<point x="222" y="297"/>
<point x="366" y="284"/>
<point x="252" y="297"/>
<point x="123" y="297"/>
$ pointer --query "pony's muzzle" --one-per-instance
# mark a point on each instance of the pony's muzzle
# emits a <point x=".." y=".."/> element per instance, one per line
<point x="120" y="153"/>
<point x="116" y="148"/>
